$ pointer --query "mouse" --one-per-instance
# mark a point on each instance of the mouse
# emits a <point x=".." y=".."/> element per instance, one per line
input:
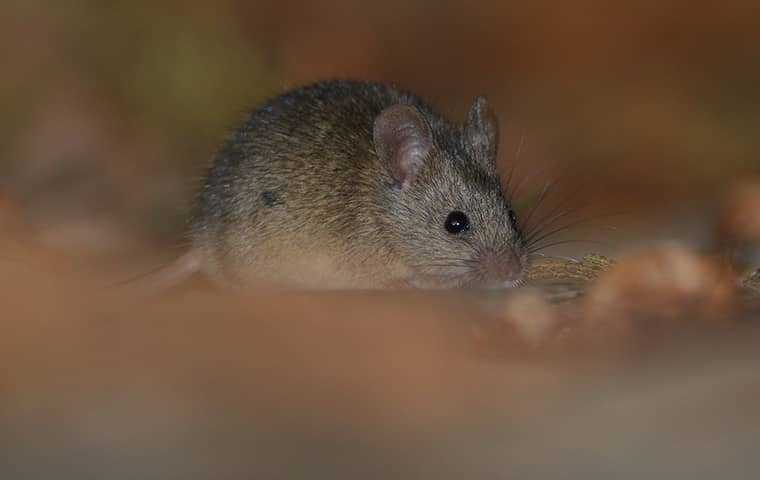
<point x="348" y="184"/>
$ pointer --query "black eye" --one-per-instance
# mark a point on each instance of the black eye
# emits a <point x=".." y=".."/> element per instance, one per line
<point x="512" y="217"/>
<point x="457" y="222"/>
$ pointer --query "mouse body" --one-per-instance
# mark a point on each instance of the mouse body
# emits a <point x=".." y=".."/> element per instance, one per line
<point x="349" y="184"/>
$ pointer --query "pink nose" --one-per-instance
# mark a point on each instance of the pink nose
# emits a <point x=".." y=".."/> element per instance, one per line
<point x="497" y="268"/>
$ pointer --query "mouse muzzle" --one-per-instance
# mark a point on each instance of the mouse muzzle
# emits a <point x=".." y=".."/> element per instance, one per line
<point x="497" y="270"/>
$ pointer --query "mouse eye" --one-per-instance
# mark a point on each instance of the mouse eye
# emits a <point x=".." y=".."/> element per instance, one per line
<point x="512" y="217"/>
<point x="457" y="222"/>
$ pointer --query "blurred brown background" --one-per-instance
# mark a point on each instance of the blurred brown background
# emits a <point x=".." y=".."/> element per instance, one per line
<point x="111" y="111"/>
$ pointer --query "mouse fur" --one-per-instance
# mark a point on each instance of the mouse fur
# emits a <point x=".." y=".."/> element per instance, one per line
<point x="348" y="184"/>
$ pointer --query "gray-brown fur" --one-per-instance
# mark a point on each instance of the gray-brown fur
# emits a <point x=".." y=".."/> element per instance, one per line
<point x="302" y="194"/>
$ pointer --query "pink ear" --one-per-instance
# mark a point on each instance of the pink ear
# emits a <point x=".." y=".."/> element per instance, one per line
<point x="403" y="141"/>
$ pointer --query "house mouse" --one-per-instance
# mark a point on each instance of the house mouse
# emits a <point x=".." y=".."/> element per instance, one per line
<point x="350" y="184"/>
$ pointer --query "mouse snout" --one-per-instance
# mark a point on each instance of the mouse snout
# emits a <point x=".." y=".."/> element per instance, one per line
<point x="499" y="269"/>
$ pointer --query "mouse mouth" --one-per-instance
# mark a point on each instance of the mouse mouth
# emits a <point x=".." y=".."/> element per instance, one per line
<point x="496" y="270"/>
<point x="488" y="269"/>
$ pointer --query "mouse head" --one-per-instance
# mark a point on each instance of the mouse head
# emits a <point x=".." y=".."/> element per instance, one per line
<point x="449" y="218"/>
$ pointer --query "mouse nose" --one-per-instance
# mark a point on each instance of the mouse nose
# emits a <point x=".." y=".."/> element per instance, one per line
<point x="499" y="269"/>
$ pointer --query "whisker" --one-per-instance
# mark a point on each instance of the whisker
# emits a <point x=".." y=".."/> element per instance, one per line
<point x="508" y="187"/>
<point x="563" y="242"/>
<point x="581" y="221"/>
<point x="557" y="230"/>
<point x="446" y="264"/>
<point x="566" y="200"/>
<point x="549" y="221"/>
<point x="530" y="235"/>
<point x="442" y="265"/>
<point x="454" y="259"/>
<point x="552" y="257"/>
<point x="520" y="146"/>
<point x="541" y="197"/>
<point x="524" y="181"/>
<point x="549" y="216"/>
<point x="516" y="161"/>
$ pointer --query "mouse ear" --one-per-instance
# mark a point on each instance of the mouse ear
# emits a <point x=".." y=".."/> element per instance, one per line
<point x="481" y="132"/>
<point x="403" y="141"/>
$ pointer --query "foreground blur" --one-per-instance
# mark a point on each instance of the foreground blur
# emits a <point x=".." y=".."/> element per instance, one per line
<point x="101" y="384"/>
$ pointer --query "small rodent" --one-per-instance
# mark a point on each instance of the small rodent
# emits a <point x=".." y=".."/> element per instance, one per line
<point x="349" y="184"/>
